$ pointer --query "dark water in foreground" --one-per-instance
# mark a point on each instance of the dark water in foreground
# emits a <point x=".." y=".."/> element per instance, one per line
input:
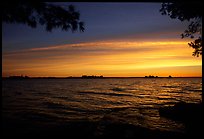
<point x="130" y="101"/>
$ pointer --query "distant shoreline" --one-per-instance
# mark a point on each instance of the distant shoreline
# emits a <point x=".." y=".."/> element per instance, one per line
<point x="93" y="78"/>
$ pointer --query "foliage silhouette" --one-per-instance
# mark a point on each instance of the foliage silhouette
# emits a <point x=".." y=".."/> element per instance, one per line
<point x="190" y="11"/>
<point x="50" y="15"/>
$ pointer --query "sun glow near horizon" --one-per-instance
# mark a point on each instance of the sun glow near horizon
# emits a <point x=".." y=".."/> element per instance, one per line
<point x="107" y="58"/>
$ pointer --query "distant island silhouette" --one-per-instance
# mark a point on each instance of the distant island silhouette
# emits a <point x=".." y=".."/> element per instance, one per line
<point x="93" y="76"/>
<point x="151" y="76"/>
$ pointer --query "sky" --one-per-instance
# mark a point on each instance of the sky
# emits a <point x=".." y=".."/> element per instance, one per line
<point x="120" y="40"/>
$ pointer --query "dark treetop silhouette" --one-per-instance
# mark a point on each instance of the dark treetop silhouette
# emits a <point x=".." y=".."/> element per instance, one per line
<point x="50" y="15"/>
<point x="190" y="11"/>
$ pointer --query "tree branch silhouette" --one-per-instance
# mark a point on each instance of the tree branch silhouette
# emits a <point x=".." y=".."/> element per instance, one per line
<point x="187" y="11"/>
<point x="49" y="15"/>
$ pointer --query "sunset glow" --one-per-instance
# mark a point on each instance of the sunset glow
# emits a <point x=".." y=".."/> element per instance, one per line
<point x="111" y="46"/>
<point x="102" y="69"/>
<point x="111" y="58"/>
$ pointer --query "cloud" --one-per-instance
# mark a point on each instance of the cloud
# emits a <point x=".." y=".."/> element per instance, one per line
<point x="101" y="56"/>
<point x="103" y="46"/>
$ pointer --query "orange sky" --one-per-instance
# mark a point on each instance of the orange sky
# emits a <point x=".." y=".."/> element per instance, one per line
<point x="107" y="58"/>
<point x="120" y="39"/>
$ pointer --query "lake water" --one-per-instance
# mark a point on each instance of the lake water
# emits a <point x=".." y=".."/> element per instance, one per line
<point x="133" y="101"/>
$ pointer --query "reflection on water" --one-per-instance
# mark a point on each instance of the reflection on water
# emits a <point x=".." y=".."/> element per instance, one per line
<point x="128" y="100"/>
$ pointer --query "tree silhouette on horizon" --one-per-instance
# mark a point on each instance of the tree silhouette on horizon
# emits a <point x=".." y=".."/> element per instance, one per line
<point x="187" y="11"/>
<point x="49" y="15"/>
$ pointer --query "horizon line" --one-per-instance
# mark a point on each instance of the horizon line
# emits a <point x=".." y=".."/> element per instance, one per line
<point x="103" y="76"/>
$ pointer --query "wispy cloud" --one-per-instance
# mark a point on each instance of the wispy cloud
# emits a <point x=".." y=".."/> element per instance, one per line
<point x="101" y="56"/>
<point x="103" y="46"/>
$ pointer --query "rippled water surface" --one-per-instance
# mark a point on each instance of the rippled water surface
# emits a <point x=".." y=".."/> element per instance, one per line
<point x="126" y="100"/>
